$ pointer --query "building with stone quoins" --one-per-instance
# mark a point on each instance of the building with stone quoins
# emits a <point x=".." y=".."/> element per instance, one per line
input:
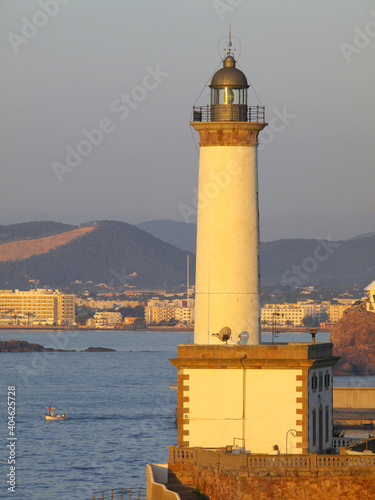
<point x="37" y="307"/>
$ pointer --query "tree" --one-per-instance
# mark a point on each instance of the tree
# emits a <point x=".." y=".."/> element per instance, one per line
<point x="82" y="318"/>
<point x="29" y="315"/>
<point x="308" y="320"/>
<point x="140" y="324"/>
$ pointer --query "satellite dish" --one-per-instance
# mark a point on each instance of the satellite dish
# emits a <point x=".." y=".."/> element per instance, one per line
<point x="225" y="334"/>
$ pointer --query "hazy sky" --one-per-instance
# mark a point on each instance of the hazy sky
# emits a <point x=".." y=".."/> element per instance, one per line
<point x="134" y="69"/>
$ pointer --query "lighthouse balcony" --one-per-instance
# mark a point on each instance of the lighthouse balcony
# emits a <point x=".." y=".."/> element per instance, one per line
<point x="229" y="113"/>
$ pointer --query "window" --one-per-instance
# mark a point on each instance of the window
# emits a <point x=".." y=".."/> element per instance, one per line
<point x="228" y="95"/>
<point x="320" y="381"/>
<point x="314" y="427"/>
<point x="326" y="380"/>
<point x="327" y="423"/>
<point x="314" y="382"/>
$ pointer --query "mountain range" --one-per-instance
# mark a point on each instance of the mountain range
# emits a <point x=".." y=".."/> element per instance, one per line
<point x="153" y="255"/>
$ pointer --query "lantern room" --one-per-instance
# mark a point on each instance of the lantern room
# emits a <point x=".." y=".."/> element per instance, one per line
<point x="229" y="93"/>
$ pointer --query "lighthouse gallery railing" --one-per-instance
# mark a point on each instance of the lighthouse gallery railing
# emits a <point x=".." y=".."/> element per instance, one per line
<point x="256" y="114"/>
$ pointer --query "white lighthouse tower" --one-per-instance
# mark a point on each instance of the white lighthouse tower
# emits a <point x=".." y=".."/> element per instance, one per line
<point x="234" y="391"/>
<point x="227" y="269"/>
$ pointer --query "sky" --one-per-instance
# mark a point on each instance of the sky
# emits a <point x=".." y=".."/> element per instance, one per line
<point x="96" y="99"/>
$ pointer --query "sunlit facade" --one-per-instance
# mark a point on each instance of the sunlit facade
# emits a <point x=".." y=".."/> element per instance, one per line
<point x="37" y="307"/>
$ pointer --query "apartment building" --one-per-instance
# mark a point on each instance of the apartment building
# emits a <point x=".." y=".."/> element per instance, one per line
<point x="287" y="314"/>
<point x="105" y="319"/>
<point x="165" y="310"/>
<point x="336" y="311"/>
<point x="37" y="307"/>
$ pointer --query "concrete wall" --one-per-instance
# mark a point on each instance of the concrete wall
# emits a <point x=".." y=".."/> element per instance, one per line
<point x="157" y="475"/>
<point x="354" y="397"/>
<point x="228" y="407"/>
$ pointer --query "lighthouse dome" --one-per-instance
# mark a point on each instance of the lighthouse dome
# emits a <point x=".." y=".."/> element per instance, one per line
<point x="229" y="75"/>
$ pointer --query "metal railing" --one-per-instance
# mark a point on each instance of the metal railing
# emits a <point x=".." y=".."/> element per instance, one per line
<point x="253" y="463"/>
<point x="256" y="114"/>
<point x="118" y="494"/>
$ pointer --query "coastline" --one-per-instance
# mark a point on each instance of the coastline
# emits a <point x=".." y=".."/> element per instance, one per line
<point x="281" y="329"/>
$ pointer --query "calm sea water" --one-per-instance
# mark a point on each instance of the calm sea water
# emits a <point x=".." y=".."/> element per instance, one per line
<point x="120" y="411"/>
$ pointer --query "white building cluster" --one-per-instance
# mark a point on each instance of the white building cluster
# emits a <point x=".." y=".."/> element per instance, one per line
<point x="165" y="310"/>
<point x="288" y="314"/>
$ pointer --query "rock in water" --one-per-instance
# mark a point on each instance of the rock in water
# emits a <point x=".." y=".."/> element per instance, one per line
<point x="353" y="337"/>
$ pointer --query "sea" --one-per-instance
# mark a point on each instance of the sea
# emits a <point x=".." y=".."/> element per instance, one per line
<point x="119" y="411"/>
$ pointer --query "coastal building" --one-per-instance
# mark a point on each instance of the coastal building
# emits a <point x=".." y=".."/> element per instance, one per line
<point x="287" y="314"/>
<point x="37" y="307"/>
<point x="165" y="310"/>
<point x="159" y="310"/>
<point x="370" y="289"/>
<point x="336" y="311"/>
<point x="107" y="319"/>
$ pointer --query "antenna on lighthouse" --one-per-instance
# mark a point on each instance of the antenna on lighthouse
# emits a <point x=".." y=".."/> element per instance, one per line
<point x="230" y="40"/>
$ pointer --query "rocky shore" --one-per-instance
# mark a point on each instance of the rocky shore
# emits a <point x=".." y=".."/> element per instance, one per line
<point x="353" y="337"/>
<point x="24" y="346"/>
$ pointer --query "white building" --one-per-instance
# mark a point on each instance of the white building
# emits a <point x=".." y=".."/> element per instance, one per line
<point x="106" y="319"/>
<point x="164" y="310"/>
<point x="370" y="289"/>
<point x="287" y="314"/>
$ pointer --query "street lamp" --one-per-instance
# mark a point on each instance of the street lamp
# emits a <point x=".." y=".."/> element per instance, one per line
<point x="274" y="325"/>
<point x="294" y="434"/>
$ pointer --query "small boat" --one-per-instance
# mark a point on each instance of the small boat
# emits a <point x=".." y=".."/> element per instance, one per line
<point x="54" y="415"/>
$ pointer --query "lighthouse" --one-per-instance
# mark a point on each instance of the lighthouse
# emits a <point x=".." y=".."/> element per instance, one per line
<point x="227" y="264"/>
<point x="234" y="391"/>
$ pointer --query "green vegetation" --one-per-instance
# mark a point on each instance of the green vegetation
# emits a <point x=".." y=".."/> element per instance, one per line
<point x="200" y="495"/>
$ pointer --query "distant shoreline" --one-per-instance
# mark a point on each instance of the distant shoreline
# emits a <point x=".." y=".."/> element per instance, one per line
<point x="89" y="328"/>
<point x="285" y="329"/>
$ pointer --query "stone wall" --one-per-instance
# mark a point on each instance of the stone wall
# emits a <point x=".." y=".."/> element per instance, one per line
<point x="231" y="487"/>
<point x="227" y="476"/>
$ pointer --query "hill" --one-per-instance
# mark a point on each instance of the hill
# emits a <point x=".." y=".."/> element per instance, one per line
<point x="306" y="262"/>
<point x="114" y="253"/>
<point x="119" y="254"/>
<point x="30" y="230"/>
<point x="22" y="249"/>
<point x="179" y="234"/>
<point x="295" y="262"/>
